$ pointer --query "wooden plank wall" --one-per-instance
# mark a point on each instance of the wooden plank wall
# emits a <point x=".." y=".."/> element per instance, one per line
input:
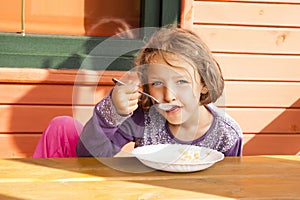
<point x="30" y="98"/>
<point x="256" y="43"/>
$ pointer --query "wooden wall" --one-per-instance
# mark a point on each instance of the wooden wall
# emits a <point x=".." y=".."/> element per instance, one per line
<point x="256" y="43"/>
<point x="30" y="98"/>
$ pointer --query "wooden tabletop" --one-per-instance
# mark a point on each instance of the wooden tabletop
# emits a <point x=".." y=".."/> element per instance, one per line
<point x="250" y="177"/>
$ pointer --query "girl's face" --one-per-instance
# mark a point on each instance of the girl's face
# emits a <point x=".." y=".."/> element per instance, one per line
<point x="176" y="82"/>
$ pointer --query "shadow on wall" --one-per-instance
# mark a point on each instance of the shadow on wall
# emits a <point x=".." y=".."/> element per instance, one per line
<point x="286" y="139"/>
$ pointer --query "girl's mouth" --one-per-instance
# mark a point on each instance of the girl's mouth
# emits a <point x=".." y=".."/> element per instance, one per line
<point x="166" y="106"/>
<point x="173" y="109"/>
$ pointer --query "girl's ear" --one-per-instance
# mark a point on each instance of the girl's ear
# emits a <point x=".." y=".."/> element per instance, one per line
<point x="204" y="90"/>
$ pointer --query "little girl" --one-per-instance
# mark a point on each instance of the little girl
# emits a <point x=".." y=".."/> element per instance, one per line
<point x="176" y="68"/>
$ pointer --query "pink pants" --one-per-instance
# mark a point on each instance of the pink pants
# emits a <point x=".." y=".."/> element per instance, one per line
<point x="59" y="139"/>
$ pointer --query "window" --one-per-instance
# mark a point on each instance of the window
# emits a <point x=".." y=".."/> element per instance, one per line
<point x="61" y="33"/>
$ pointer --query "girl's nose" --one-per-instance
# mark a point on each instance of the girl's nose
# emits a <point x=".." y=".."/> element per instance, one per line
<point x="169" y="95"/>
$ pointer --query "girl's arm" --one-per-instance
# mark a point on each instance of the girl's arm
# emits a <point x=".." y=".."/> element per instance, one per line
<point x="236" y="149"/>
<point x="107" y="132"/>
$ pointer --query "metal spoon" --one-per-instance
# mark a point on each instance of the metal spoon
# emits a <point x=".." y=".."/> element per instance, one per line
<point x="148" y="95"/>
<point x="166" y="106"/>
<point x="162" y="106"/>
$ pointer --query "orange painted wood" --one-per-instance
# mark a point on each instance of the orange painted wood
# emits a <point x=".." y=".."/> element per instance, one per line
<point x="246" y="13"/>
<point x="243" y="61"/>
<point x="51" y="17"/>
<point x="237" y="94"/>
<point x="35" y="118"/>
<point x="256" y="48"/>
<point x="234" y="67"/>
<point x="250" y="39"/>
<point x="23" y="145"/>
<point x="262" y="94"/>
<point x="54" y="76"/>
<point x="72" y="17"/>
<point x="247" y="67"/>
<point x="37" y="94"/>
<point x="10" y="20"/>
<point x="186" y="14"/>
<point x="17" y="118"/>
<point x="271" y="144"/>
<point x="267" y="120"/>
<point x="18" y="145"/>
<point x="20" y="118"/>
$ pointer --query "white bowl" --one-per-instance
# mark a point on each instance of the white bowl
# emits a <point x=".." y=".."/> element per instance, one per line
<point x="177" y="157"/>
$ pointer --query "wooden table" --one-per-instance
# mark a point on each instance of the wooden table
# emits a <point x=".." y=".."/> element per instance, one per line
<point x="250" y="177"/>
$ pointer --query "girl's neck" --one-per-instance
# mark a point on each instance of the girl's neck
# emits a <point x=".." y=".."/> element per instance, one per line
<point x="194" y="128"/>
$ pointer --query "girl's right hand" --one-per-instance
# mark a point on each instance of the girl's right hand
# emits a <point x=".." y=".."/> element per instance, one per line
<point x="125" y="98"/>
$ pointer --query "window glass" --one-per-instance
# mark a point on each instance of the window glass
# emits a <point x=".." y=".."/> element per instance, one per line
<point x="71" y="17"/>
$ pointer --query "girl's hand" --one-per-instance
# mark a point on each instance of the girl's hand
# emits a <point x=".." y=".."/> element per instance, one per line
<point x="125" y="98"/>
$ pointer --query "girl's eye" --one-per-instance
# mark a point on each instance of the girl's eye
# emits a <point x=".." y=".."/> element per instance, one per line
<point x="156" y="83"/>
<point x="180" y="82"/>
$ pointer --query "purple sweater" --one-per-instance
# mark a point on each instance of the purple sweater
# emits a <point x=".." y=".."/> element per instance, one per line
<point x="107" y="132"/>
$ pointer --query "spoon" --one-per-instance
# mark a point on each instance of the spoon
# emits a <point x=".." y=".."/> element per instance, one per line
<point x="162" y="106"/>
<point x="166" y="106"/>
<point x="148" y="95"/>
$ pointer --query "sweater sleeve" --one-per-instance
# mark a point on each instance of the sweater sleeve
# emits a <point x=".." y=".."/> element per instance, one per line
<point x="107" y="132"/>
<point x="236" y="149"/>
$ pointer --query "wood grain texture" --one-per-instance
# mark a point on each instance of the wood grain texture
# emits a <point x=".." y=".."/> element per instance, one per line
<point x="255" y="44"/>
<point x="244" y="39"/>
<point x="271" y="144"/>
<point x="21" y="145"/>
<point x="57" y="76"/>
<point x="256" y="67"/>
<point x="36" y="99"/>
<point x="255" y="177"/>
<point x="249" y="13"/>
<point x="20" y="118"/>
<point x="236" y="94"/>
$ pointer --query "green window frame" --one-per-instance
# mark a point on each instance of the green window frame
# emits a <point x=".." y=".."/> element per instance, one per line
<point x="68" y="52"/>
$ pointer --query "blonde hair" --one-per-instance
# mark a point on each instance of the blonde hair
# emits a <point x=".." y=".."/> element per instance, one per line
<point x="187" y="45"/>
